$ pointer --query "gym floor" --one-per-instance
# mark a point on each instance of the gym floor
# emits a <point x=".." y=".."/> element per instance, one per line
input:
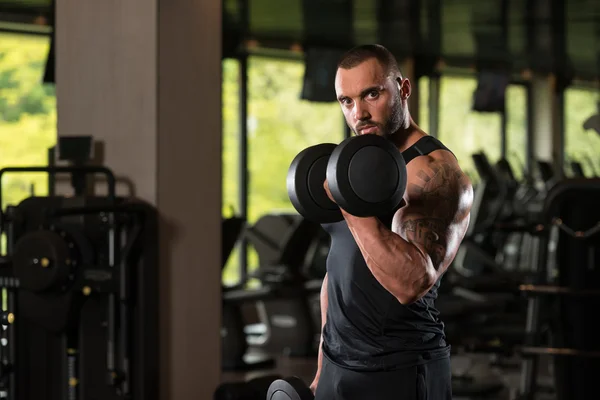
<point x="478" y="367"/>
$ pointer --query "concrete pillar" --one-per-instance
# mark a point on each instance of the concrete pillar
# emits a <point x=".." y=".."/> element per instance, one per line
<point x="546" y="124"/>
<point x="144" y="78"/>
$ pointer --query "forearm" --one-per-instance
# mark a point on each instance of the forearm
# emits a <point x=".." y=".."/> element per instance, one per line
<point x="399" y="266"/>
<point x="323" y="303"/>
<point x="319" y="361"/>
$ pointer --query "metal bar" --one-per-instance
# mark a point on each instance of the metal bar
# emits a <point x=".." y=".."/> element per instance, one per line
<point x="529" y="366"/>
<point x="559" y="112"/>
<point x="557" y="351"/>
<point x="14" y="29"/>
<point x="529" y="154"/>
<point x="547" y="289"/>
<point x="52" y="177"/>
<point x="434" y="22"/>
<point x="434" y="43"/>
<point x="503" y="133"/>
<point x="12" y="329"/>
<point x="243" y="166"/>
<point x="243" y="149"/>
<point x="72" y="169"/>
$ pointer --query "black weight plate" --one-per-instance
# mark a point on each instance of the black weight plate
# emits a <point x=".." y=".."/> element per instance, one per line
<point x="289" y="389"/>
<point x="367" y="176"/>
<point x="305" y="180"/>
<point x="41" y="260"/>
<point x="234" y="391"/>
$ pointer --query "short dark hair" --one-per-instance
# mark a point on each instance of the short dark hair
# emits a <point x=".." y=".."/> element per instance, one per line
<point x="362" y="53"/>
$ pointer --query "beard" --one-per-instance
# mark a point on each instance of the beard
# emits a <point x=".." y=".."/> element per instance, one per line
<point x="397" y="117"/>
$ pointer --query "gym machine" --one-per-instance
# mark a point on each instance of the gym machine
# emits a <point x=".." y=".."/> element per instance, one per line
<point x="79" y="280"/>
<point x="286" y="324"/>
<point x="234" y="350"/>
<point x="565" y="297"/>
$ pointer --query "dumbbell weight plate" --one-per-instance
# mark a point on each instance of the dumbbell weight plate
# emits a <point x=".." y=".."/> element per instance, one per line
<point x="305" y="180"/>
<point x="367" y="175"/>
<point x="289" y="389"/>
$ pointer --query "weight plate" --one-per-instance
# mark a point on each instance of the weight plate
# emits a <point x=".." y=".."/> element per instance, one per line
<point x="41" y="260"/>
<point x="289" y="389"/>
<point x="305" y="180"/>
<point x="367" y="176"/>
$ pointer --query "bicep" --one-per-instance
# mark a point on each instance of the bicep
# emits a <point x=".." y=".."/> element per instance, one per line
<point x="436" y="217"/>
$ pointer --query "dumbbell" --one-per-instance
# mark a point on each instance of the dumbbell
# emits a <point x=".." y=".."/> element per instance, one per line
<point x="292" y="388"/>
<point x="366" y="175"/>
<point x="254" y="389"/>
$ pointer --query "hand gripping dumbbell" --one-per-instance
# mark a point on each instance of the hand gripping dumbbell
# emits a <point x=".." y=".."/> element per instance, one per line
<point x="366" y="175"/>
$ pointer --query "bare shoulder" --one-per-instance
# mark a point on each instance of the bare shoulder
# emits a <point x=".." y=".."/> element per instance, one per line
<point x="438" y="199"/>
<point x="437" y="183"/>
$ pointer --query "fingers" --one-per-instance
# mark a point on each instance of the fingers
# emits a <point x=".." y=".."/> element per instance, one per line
<point x="326" y="186"/>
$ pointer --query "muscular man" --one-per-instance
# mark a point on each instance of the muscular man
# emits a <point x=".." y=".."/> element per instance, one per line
<point x="381" y="336"/>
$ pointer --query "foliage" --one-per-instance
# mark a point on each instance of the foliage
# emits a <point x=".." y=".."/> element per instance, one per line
<point x="27" y="114"/>
<point x="280" y="125"/>
<point x="581" y="145"/>
<point x="463" y="131"/>
<point x="231" y="140"/>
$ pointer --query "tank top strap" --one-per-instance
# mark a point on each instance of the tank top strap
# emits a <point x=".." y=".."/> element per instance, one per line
<point x="424" y="146"/>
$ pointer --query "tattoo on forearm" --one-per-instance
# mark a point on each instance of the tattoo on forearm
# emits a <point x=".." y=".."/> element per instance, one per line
<point x="437" y="190"/>
<point x="426" y="232"/>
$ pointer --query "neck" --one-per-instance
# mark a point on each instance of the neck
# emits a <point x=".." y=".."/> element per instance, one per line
<point x="408" y="134"/>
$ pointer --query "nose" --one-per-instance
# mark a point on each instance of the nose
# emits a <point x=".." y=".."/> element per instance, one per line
<point x="361" y="112"/>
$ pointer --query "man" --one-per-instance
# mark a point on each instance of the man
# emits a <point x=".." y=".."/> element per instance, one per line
<point x="381" y="336"/>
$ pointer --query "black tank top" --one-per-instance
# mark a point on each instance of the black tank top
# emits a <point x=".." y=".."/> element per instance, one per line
<point x="366" y="327"/>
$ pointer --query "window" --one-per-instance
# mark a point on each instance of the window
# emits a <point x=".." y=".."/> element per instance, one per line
<point x="280" y="126"/>
<point x="231" y="104"/>
<point x="581" y="145"/>
<point x="516" y="128"/>
<point x="424" y="104"/>
<point x="464" y="131"/>
<point x="27" y="115"/>
<point x="230" y="158"/>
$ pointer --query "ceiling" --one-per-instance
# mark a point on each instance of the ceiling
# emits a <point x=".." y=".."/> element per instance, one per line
<point x="459" y="32"/>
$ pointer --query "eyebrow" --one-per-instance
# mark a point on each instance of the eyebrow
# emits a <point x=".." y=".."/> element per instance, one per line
<point x="364" y="92"/>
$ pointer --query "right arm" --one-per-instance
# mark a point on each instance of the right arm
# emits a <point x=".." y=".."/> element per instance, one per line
<point x="323" y="301"/>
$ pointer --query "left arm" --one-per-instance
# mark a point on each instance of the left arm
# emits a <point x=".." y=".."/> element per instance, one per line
<point x="408" y="259"/>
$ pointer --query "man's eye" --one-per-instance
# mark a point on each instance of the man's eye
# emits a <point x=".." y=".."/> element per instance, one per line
<point x="373" y="94"/>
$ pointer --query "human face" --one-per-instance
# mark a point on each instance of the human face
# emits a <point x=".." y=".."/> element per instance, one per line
<point x="372" y="101"/>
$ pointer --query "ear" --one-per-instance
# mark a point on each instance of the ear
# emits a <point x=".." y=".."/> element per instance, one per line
<point x="404" y="86"/>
